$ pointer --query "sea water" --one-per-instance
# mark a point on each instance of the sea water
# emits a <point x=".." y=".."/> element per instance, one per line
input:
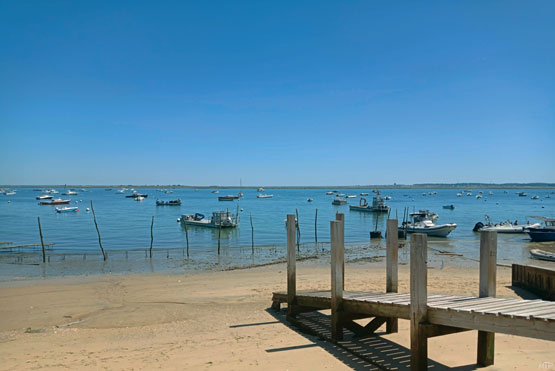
<point x="125" y="225"/>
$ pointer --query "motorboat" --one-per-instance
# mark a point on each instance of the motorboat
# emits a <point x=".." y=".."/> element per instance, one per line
<point x="215" y="191"/>
<point x="136" y="194"/>
<point x="121" y="191"/>
<point x="351" y="196"/>
<point x="478" y="197"/>
<point x="264" y="196"/>
<point x="522" y="194"/>
<point x="139" y="198"/>
<point x="67" y="209"/>
<point x="449" y="207"/>
<point x="341" y="194"/>
<point x="329" y="192"/>
<point x="9" y="193"/>
<point x="168" y="203"/>
<point x="459" y="194"/>
<point x="309" y="200"/>
<point x="58" y="201"/>
<point x="219" y="219"/>
<point x="535" y="197"/>
<point x="378" y="205"/>
<point x="504" y="227"/>
<point x="542" y="255"/>
<point x="69" y="193"/>
<point x="364" y="194"/>
<point x="260" y="189"/>
<point x="547" y="233"/>
<point x="227" y="198"/>
<point x="44" y="197"/>
<point x="387" y="198"/>
<point x="339" y="201"/>
<point x="423" y="222"/>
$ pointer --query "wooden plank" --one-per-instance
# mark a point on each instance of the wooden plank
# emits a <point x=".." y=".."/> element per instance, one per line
<point x="377" y="310"/>
<point x="340" y="217"/>
<point x="440" y="330"/>
<point x="291" y="263"/>
<point x="530" y="311"/>
<point x="392" y="263"/>
<point x="418" y="305"/>
<point x="337" y="264"/>
<point x="533" y="328"/>
<point x="488" y="261"/>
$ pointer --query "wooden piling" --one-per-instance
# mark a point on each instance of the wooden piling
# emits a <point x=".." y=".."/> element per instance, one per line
<point x="340" y="217"/>
<point x="219" y="235"/>
<point x="98" y="232"/>
<point x="298" y="231"/>
<point x="392" y="258"/>
<point x="316" y="227"/>
<point x="291" y="264"/>
<point x="337" y="238"/>
<point x="187" y="239"/>
<point x="252" y="236"/>
<point x="151" y="235"/>
<point x="418" y="301"/>
<point x="42" y="242"/>
<point x="488" y="260"/>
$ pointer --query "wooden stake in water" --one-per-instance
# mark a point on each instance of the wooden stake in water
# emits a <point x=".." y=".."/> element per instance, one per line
<point x="151" y="235"/>
<point x="42" y="242"/>
<point x="252" y="235"/>
<point x="187" y="239"/>
<point x="98" y="232"/>
<point x="219" y="235"/>
<point x="316" y="227"/>
<point x="298" y="231"/>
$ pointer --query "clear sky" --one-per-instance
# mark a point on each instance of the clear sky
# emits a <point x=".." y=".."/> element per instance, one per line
<point x="276" y="92"/>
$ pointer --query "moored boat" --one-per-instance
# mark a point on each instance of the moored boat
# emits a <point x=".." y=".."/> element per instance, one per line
<point x="542" y="255"/>
<point x="227" y="198"/>
<point x="423" y="222"/>
<point x="504" y="227"/>
<point x="168" y="203"/>
<point x="69" y="193"/>
<point x="338" y="201"/>
<point x="58" y="201"/>
<point x="136" y="194"/>
<point x="264" y="196"/>
<point x="449" y="207"/>
<point x="67" y="209"/>
<point x="547" y="233"/>
<point x="44" y="197"/>
<point x="219" y="219"/>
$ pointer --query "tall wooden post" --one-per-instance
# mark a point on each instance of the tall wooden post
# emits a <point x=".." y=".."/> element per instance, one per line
<point x="340" y="217"/>
<point x="42" y="242"/>
<point x="151" y="235"/>
<point x="291" y="264"/>
<point x="418" y="301"/>
<point x="98" y="232"/>
<point x="392" y="258"/>
<point x="337" y="236"/>
<point x="252" y="236"/>
<point x="187" y="239"/>
<point x="488" y="260"/>
<point x="316" y="227"/>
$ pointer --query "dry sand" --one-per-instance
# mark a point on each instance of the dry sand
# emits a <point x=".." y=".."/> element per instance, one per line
<point x="191" y="322"/>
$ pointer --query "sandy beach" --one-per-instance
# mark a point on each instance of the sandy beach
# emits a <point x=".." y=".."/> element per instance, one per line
<point x="216" y="320"/>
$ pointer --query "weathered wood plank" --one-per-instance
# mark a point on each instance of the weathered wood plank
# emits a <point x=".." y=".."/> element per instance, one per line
<point x="392" y="263"/>
<point x="440" y="330"/>
<point x="488" y="261"/>
<point x="418" y="305"/>
<point x="291" y="263"/>
<point x="337" y="239"/>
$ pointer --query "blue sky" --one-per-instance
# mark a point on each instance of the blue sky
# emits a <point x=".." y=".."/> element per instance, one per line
<point x="276" y="93"/>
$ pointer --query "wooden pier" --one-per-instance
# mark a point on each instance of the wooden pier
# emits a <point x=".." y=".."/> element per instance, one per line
<point x="430" y="316"/>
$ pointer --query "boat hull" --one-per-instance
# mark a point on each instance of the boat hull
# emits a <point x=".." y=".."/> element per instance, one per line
<point x="541" y="235"/>
<point x="542" y="255"/>
<point x="435" y="231"/>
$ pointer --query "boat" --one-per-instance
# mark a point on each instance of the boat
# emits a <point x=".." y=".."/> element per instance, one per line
<point x="387" y="198"/>
<point x="215" y="191"/>
<point x="459" y="194"/>
<point x="351" y="196"/>
<point x="547" y="233"/>
<point x="338" y="200"/>
<point x="503" y="227"/>
<point x="44" y="197"/>
<point x="168" y="203"/>
<point x="136" y="194"/>
<point x="264" y="196"/>
<point x="67" y="209"/>
<point x="309" y="200"/>
<point x="227" y="198"/>
<point x="364" y="194"/>
<point x="341" y="195"/>
<point x="121" y="191"/>
<point x="329" y="192"/>
<point x="423" y="222"/>
<point x="58" y="201"/>
<point x="139" y="198"/>
<point x="260" y="189"/>
<point x="449" y="207"/>
<point x="469" y="193"/>
<point x="522" y="194"/>
<point x="219" y="219"/>
<point x="535" y="197"/>
<point x="9" y="193"/>
<point x="69" y="193"/>
<point x="542" y="255"/>
<point x="378" y="205"/>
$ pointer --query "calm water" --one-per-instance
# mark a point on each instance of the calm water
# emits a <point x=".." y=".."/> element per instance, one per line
<point x="125" y="223"/>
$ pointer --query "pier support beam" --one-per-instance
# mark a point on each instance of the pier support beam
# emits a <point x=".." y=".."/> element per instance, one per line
<point x="392" y="258"/>
<point x="291" y="265"/>
<point x="337" y="235"/>
<point x="340" y="217"/>
<point x="418" y="301"/>
<point x="488" y="260"/>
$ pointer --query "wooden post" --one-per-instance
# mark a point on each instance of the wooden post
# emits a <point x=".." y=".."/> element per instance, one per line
<point x="298" y="231"/>
<point x="316" y="227"/>
<point x="219" y="234"/>
<point x="42" y="242"/>
<point x="151" y="235"/>
<point x="337" y="235"/>
<point x="291" y="264"/>
<point x="98" y="232"/>
<point x="392" y="257"/>
<point x="340" y="217"/>
<point x="418" y="301"/>
<point x="187" y="239"/>
<point x="252" y="236"/>
<point x="488" y="260"/>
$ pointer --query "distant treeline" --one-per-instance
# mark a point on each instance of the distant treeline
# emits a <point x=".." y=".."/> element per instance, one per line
<point x="368" y="186"/>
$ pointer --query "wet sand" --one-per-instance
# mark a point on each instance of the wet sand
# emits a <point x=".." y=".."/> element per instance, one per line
<point x="180" y="321"/>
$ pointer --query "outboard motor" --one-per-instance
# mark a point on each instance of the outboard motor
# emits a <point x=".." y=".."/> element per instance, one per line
<point x="478" y="226"/>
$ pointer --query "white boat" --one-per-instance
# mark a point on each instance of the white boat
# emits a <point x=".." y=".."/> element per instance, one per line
<point x="215" y="191"/>
<point x="387" y="198"/>
<point x="351" y="196"/>
<point x="260" y="189"/>
<point x="341" y="195"/>
<point x="338" y="201"/>
<point x="44" y="197"/>
<point x="219" y="219"/>
<point x="9" y="193"/>
<point x="69" y="193"/>
<point x="478" y="196"/>
<point x="428" y="227"/>
<point x="121" y="191"/>
<point x="329" y="192"/>
<point x="542" y="255"/>
<point x="459" y="194"/>
<point x="67" y="209"/>
<point x="264" y="196"/>
<point x="504" y="227"/>
<point x="139" y="198"/>
<point x="534" y="197"/>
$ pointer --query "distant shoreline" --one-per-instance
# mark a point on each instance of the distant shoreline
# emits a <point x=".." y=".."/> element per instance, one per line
<point x="382" y="186"/>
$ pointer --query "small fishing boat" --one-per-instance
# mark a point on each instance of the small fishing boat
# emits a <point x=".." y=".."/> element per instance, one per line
<point x="260" y="189"/>
<point x="378" y="205"/>
<point x="58" y="201"/>
<point x="69" y="193"/>
<point x="459" y="194"/>
<point x="139" y="198"/>
<point x="423" y="222"/>
<point x="136" y="194"/>
<point x="44" y="197"/>
<point x="67" y="209"/>
<point x="351" y="196"/>
<point x="504" y="227"/>
<point x="449" y="207"/>
<point x="215" y="191"/>
<point x="338" y="200"/>
<point x="522" y="194"/>
<point x="227" y="198"/>
<point x="9" y="193"/>
<point x="542" y="255"/>
<point x="329" y="192"/>
<point x="168" y="203"/>
<point x="535" y="197"/>
<point x="264" y="196"/>
<point x="387" y="198"/>
<point x="309" y="200"/>
<point x="121" y="191"/>
<point x="364" y="194"/>
<point x="547" y="233"/>
<point x="219" y="219"/>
